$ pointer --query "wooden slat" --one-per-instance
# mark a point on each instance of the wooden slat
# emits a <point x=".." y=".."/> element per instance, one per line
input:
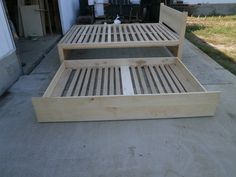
<point x="109" y="34"/>
<point x="177" y="82"/>
<point x="68" y="34"/>
<point x="163" y="80"/>
<point x="132" y="33"/>
<point x="79" y="83"/>
<point x="83" y="34"/>
<point x="117" y="78"/>
<point x="98" y="34"/>
<point x="170" y="81"/>
<point x="159" y="32"/>
<point x="78" y="35"/>
<point x="172" y="34"/>
<point x="93" y="35"/>
<point x="167" y="35"/>
<point x="99" y="82"/>
<point x="143" y="33"/>
<point x="115" y="33"/>
<point x="121" y="34"/>
<point x="140" y="37"/>
<point x="188" y="87"/>
<point x="157" y="81"/>
<point x="126" y="81"/>
<point x="86" y="81"/>
<point x="136" y="81"/>
<point x="126" y="33"/>
<point x="150" y="80"/>
<point x="92" y="82"/>
<point x="73" y="34"/>
<point x="60" y="86"/>
<point x="88" y="34"/>
<point x="104" y="27"/>
<point x="145" y="29"/>
<point x="111" y="83"/>
<point x="105" y="81"/>
<point x="142" y="79"/>
<point x="73" y="82"/>
<point x="154" y="32"/>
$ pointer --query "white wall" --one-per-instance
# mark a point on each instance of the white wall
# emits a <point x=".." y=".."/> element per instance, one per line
<point x="10" y="68"/>
<point x="69" y="10"/>
<point x="6" y="43"/>
<point x="209" y="1"/>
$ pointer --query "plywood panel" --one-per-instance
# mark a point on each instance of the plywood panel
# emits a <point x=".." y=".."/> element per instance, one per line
<point x="31" y="20"/>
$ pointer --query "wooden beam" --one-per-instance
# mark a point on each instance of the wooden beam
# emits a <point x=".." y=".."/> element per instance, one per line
<point x="125" y="107"/>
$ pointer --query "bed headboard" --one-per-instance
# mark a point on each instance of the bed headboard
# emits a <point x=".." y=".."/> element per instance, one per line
<point x="175" y="19"/>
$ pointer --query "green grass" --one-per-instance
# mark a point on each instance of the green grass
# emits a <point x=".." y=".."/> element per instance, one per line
<point x="216" y="36"/>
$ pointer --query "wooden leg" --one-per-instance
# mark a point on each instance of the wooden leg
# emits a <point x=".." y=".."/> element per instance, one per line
<point x="63" y="54"/>
<point x="173" y="50"/>
<point x="180" y="51"/>
<point x="176" y="50"/>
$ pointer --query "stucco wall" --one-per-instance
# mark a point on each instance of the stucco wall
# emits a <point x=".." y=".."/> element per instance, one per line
<point x="10" y="68"/>
<point x="6" y="43"/>
<point x="209" y="1"/>
<point x="213" y="9"/>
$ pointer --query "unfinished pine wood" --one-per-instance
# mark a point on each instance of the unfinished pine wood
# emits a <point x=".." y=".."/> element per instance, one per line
<point x="86" y="90"/>
<point x="175" y="20"/>
<point x="60" y="86"/>
<point x="92" y="82"/>
<point x="117" y="81"/>
<point x="169" y="32"/>
<point x="99" y="81"/>
<point x="125" y="107"/>
<point x="73" y="82"/>
<point x="78" y="36"/>
<point x="79" y="82"/>
<point x="123" y="77"/>
<point x="135" y="80"/>
<point x="126" y="81"/>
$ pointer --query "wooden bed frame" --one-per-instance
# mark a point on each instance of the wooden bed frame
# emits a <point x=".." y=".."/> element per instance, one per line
<point x="169" y="32"/>
<point x="130" y="88"/>
<point x="86" y="90"/>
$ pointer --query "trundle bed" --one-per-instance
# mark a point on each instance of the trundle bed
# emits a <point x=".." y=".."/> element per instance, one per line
<point x="127" y="88"/>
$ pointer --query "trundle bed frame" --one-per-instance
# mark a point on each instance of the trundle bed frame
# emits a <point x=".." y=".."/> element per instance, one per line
<point x="130" y="88"/>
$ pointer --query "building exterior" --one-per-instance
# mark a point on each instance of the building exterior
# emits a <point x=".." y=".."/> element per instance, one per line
<point x="10" y="68"/>
<point x="208" y="1"/>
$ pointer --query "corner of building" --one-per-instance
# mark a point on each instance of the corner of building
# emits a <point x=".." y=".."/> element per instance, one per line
<point x="10" y="71"/>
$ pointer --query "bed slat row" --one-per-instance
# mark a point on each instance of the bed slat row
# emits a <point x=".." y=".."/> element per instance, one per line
<point x="110" y="33"/>
<point x="121" y="80"/>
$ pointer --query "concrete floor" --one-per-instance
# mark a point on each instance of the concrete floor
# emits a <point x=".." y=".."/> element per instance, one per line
<point x="31" y="52"/>
<point x="189" y="147"/>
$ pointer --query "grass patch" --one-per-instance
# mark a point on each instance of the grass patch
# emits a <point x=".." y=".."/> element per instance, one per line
<point x="216" y="36"/>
